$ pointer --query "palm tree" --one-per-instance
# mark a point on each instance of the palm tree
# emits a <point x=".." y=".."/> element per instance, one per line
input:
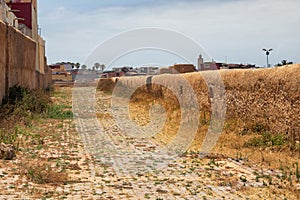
<point x="102" y="67"/>
<point x="77" y="65"/>
<point x="285" y="62"/>
<point x="97" y="65"/>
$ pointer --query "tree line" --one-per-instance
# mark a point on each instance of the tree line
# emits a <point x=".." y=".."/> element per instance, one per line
<point x="77" y="65"/>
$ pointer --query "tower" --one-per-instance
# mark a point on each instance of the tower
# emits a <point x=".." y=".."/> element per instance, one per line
<point x="200" y="63"/>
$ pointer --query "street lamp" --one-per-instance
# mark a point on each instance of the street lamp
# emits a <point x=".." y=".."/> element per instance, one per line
<point x="268" y="53"/>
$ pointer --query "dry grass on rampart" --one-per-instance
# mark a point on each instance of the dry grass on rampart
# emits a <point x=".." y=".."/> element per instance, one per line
<point x="106" y="85"/>
<point x="262" y="105"/>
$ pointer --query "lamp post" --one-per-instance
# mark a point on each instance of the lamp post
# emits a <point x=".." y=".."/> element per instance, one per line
<point x="268" y="53"/>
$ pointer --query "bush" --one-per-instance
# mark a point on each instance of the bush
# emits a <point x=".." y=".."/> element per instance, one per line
<point x="266" y="140"/>
<point x="23" y="102"/>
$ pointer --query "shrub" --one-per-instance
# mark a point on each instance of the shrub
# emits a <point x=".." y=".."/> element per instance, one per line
<point x="23" y="102"/>
<point x="266" y="140"/>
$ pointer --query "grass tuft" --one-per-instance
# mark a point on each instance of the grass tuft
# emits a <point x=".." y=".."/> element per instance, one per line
<point x="59" y="112"/>
<point x="41" y="173"/>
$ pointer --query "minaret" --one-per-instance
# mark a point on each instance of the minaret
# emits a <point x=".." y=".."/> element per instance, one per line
<point x="200" y="63"/>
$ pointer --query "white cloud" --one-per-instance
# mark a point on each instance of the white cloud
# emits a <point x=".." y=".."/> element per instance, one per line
<point x="236" y="29"/>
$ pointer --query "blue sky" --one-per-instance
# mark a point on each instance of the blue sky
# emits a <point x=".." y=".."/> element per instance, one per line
<point x="235" y="30"/>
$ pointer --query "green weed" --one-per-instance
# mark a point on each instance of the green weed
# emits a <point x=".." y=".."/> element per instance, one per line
<point x="59" y="112"/>
<point x="266" y="140"/>
<point x="297" y="173"/>
<point x="213" y="162"/>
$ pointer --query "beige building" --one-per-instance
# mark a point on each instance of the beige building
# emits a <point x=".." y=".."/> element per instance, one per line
<point x="28" y="25"/>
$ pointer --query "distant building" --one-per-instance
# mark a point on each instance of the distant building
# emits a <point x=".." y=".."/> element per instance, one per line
<point x="68" y="67"/>
<point x="61" y="68"/>
<point x="183" y="68"/>
<point x="121" y="71"/>
<point x="111" y="74"/>
<point x="133" y="73"/>
<point x="148" y="70"/>
<point x="57" y="69"/>
<point x="204" y="66"/>
<point x="200" y="63"/>
<point x="166" y="71"/>
<point x="117" y="69"/>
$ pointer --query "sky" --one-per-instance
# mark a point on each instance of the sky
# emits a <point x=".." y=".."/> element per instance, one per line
<point x="235" y="31"/>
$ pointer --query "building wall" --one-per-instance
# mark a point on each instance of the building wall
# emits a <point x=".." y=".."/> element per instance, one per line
<point x="18" y="62"/>
<point x="2" y="59"/>
<point x="149" y="70"/>
<point x="6" y="16"/>
<point x="28" y="11"/>
<point x="166" y="71"/>
<point x="41" y="55"/>
<point x="21" y="59"/>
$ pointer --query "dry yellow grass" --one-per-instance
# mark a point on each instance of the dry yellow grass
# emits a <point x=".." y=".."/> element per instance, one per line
<point x="42" y="173"/>
<point x="267" y="99"/>
<point x="106" y="85"/>
<point x="140" y="104"/>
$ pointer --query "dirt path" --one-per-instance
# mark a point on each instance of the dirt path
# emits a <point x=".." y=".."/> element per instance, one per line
<point x="94" y="162"/>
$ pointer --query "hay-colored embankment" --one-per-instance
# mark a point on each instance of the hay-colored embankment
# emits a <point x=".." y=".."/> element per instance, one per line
<point x="268" y="98"/>
<point x="106" y="84"/>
